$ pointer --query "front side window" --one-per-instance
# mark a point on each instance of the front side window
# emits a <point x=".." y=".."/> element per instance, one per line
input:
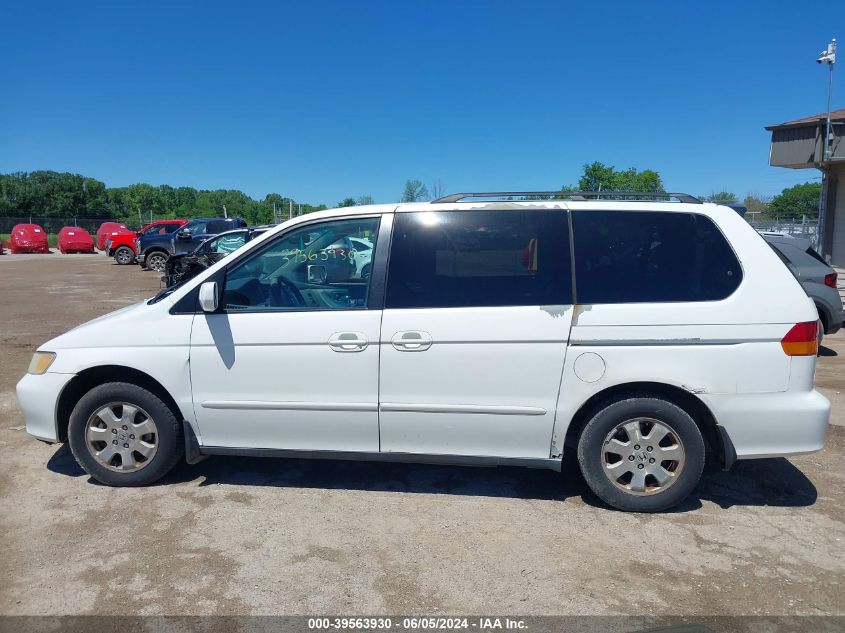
<point x="644" y="256"/>
<point x="312" y="268"/>
<point x="196" y="227"/>
<point x="479" y="258"/>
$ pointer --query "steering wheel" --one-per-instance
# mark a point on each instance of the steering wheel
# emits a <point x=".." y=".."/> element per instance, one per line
<point x="285" y="292"/>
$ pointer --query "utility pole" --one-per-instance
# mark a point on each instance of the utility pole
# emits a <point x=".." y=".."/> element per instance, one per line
<point x="225" y="213"/>
<point x="290" y="210"/>
<point x="827" y="56"/>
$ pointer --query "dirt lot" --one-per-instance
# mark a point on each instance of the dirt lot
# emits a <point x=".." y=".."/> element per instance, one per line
<point x="238" y="535"/>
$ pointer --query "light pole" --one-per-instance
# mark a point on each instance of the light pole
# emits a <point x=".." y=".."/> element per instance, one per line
<point x="827" y="56"/>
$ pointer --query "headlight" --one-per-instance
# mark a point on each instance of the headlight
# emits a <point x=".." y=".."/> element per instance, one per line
<point x="41" y="361"/>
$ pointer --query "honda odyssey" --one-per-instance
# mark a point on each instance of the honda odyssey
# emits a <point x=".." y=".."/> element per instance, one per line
<point x="642" y="337"/>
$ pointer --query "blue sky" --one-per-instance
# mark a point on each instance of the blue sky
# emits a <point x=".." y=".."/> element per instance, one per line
<point x="323" y="100"/>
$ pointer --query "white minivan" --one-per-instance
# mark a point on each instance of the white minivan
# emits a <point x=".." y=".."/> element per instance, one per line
<point x="645" y="336"/>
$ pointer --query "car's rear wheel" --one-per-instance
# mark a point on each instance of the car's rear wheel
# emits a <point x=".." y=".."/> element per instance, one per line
<point x="124" y="255"/>
<point x="641" y="453"/>
<point x="821" y="327"/>
<point x="157" y="260"/>
<point x="124" y="435"/>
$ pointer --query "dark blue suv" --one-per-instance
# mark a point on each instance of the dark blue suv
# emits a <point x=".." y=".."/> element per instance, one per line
<point x="155" y="250"/>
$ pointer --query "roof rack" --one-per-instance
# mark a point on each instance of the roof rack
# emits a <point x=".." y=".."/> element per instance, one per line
<point x="572" y="195"/>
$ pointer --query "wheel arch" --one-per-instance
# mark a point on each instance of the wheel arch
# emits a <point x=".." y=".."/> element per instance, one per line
<point x="824" y="315"/>
<point x="689" y="402"/>
<point x="89" y="378"/>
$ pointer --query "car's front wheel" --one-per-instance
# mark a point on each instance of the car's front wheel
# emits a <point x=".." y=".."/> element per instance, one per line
<point x="124" y="255"/>
<point x="156" y="261"/>
<point x="124" y="435"/>
<point x="641" y="454"/>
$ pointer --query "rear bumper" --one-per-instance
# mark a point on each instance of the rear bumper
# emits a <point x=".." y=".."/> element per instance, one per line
<point x="30" y="248"/>
<point x="772" y="424"/>
<point x="38" y="397"/>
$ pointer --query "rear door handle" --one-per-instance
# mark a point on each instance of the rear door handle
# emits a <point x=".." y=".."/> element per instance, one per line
<point x="411" y="341"/>
<point x="348" y="342"/>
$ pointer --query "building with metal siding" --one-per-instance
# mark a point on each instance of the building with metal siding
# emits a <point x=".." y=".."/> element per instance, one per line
<point x="799" y="144"/>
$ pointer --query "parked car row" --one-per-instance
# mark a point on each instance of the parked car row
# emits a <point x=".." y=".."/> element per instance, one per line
<point x="154" y="249"/>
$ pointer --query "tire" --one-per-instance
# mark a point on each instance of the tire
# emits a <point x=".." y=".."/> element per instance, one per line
<point x="156" y="261"/>
<point x="365" y="271"/>
<point x="165" y="435"/>
<point x="124" y="255"/>
<point x="655" y="484"/>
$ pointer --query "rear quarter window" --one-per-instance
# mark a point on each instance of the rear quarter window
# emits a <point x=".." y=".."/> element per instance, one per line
<point x="637" y="256"/>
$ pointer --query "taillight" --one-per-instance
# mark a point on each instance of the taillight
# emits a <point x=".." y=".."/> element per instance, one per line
<point x="801" y="340"/>
<point x="830" y="280"/>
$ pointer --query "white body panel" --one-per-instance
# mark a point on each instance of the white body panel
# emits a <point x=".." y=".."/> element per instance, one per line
<point x="271" y="380"/>
<point x="487" y="385"/>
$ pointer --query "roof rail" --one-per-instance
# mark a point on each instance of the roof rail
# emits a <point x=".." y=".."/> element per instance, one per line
<point x="572" y="195"/>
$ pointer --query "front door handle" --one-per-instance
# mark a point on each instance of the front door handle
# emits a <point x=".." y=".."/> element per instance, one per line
<point x="411" y="341"/>
<point x="348" y="342"/>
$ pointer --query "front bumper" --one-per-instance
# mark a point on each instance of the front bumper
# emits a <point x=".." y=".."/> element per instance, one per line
<point x="38" y="396"/>
<point x="772" y="424"/>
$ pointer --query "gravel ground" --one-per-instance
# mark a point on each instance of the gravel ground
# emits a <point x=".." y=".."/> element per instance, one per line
<point x="267" y="536"/>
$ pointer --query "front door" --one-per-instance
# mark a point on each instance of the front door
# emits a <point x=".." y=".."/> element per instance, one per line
<point x="291" y="359"/>
<point x="474" y="333"/>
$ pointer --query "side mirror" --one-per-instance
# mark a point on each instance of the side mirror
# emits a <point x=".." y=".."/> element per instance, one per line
<point x="209" y="296"/>
<point x="317" y="274"/>
<point x="184" y="234"/>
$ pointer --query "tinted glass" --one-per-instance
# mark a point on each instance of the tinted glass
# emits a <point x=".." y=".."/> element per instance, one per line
<point x="812" y="253"/>
<point x="479" y="258"/>
<point x="635" y="256"/>
<point x="218" y="226"/>
<point x="311" y="268"/>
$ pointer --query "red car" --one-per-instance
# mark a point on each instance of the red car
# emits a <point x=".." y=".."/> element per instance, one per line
<point x="73" y="239"/>
<point x="122" y="246"/>
<point x="108" y="229"/>
<point x="28" y="238"/>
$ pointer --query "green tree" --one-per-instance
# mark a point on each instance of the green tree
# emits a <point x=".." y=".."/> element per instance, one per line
<point x="346" y="202"/>
<point x="415" y="191"/>
<point x="721" y="197"/>
<point x="362" y="200"/>
<point x="756" y="204"/>
<point x="795" y="202"/>
<point x="600" y="177"/>
<point x="62" y="195"/>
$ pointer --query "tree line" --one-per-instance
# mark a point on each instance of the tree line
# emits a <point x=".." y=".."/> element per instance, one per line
<point x="793" y="203"/>
<point x="49" y="194"/>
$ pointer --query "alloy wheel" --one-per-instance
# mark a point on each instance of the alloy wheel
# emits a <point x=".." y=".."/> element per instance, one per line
<point x="121" y="436"/>
<point x="156" y="262"/>
<point x="642" y="456"/>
